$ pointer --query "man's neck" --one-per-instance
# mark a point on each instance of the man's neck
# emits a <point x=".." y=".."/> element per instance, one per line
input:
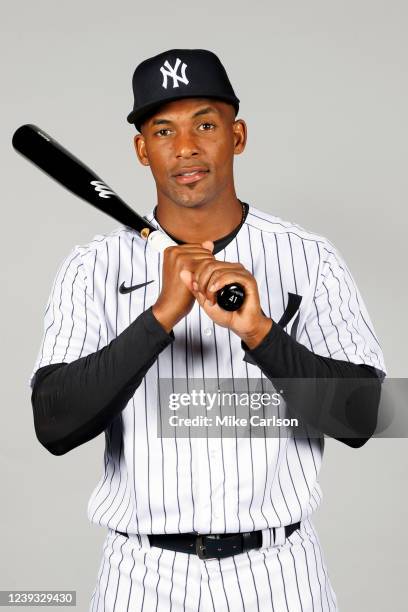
<point x="195" y="225"/>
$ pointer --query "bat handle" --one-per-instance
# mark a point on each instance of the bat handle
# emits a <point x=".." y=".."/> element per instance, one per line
<point x="230" y="298"/>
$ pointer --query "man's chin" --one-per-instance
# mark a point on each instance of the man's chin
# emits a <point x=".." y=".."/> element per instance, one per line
<point x="190" y="200"/>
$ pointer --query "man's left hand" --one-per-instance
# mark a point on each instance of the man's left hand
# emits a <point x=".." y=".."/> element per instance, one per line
<point x="249" y="323"/>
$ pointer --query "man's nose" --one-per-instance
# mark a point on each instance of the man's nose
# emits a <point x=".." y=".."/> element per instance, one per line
<point x="186" y="145"/>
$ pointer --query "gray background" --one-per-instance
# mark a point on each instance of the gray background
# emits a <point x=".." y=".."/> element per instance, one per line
<point x="323" y="89"/>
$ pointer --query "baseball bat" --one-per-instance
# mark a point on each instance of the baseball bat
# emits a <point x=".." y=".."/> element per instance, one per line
<point x="46" y="153"/>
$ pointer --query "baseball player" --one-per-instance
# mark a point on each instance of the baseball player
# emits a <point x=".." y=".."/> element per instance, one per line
<point x="209" y="522"/>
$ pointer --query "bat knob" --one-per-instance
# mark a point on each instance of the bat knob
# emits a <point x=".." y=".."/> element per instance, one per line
<point x="231" y="297"/>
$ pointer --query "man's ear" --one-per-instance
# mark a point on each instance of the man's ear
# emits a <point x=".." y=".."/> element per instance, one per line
<point x="140" y="148"/>
<point x="239" y="129"/>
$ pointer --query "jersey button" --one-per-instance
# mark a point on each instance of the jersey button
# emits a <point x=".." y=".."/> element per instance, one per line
<point x="207" y="331"/>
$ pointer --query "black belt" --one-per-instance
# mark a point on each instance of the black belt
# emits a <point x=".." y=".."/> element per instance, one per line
<point x="212" y="546"/>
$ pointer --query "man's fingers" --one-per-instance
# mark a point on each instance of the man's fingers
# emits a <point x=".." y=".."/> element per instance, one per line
<point x="224" y="277"/>
<point x="190" y="264"/>
<point x="178" y="257"/>
<point x="203" y="300"/>
<point x="187" y="278"/>
<point x="189" y="247"/>
<point x="205" y="270"/>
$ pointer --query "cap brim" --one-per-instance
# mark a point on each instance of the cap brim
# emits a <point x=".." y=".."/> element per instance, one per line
<point x="137" y="117"/>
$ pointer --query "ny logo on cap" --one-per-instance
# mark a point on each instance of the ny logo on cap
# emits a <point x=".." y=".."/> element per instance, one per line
<point x="168" y="71"/>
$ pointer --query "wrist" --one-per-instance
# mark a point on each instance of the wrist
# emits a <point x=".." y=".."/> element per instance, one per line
<point x="255" y="336"/>
<point x="166" y="320"/>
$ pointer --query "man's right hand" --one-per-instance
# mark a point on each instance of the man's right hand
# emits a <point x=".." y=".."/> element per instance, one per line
<point x="176" y="300"/>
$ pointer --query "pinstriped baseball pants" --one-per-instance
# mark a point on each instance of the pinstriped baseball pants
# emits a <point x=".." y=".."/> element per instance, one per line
<point x="288" y="577"/>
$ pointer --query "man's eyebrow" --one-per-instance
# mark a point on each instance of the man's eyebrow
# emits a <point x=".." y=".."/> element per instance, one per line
<point x="205" y="111"/>
<point x="160" y="121"/>
<point x="202" y="111"/>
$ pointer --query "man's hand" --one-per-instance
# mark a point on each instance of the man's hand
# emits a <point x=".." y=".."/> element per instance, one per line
<point x="176" y="299"/>
<point x="210" y="275"/>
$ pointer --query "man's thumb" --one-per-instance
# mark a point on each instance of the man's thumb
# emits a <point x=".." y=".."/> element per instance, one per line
<point x="208" y="244"/>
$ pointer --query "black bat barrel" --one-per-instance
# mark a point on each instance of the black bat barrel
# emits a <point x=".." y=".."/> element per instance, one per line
<point x="62" y="166"/>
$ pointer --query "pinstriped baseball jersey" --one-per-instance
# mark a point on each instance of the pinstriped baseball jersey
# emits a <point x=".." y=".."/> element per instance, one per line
<point x="151" y="484"/>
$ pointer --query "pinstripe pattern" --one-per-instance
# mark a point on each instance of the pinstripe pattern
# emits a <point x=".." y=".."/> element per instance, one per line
<point x="174" y="485"/>
<point x="291" y="577"/>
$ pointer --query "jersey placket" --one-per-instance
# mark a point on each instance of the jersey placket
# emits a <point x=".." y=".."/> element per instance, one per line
<point x="206" y="453"/>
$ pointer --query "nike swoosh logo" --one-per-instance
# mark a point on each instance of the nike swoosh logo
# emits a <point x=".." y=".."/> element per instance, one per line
<point x="123" y="289"/>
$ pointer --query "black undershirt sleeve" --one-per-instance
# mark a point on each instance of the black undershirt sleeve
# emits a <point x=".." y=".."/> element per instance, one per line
<point x="334" y="397"/>
<point x="74" y="402"/>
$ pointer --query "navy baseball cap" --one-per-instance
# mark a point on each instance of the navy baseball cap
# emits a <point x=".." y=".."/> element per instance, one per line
<point x="176" y="74"/>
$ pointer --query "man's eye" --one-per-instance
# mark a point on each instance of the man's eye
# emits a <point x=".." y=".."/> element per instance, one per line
<point x="207" y="126"/>
<point x="163" y="132"/>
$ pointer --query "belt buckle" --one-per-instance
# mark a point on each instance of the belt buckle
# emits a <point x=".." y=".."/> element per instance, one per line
<point x="200" y="547"/>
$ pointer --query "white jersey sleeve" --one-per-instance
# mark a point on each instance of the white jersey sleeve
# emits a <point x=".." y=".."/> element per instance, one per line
<point x="71" y="323"/>
<point x="337" y="324"/>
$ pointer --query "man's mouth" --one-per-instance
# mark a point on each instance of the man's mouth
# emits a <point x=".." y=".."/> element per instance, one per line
<point x="191" y="175"/>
